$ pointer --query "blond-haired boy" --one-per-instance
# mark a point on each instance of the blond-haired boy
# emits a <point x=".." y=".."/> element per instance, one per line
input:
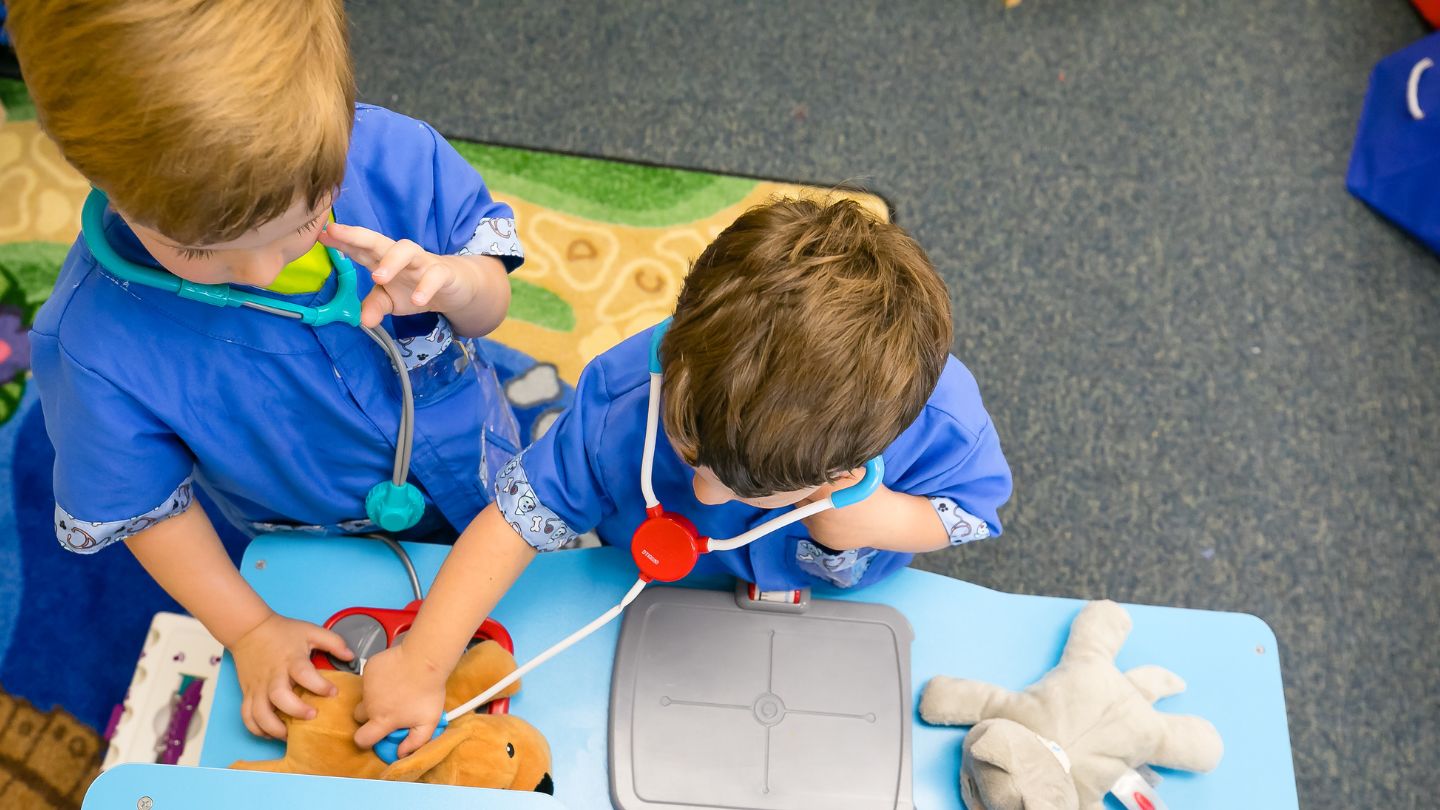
<point x="226" y="137"/>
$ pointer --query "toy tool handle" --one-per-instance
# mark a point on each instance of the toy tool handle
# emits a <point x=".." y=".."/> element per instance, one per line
<point x="388" y="749"/>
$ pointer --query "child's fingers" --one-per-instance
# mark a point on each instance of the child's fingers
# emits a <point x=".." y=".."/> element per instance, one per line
<point x="269" y="723"/>
<point x="361" y="715"/>
<point x="329" y="641"/>
<point x="436" y="278"/>
<point x="400" y="256"/>
<point x="372" y="732"/>
<point x="376" y="306"/>
<point x="419" y="735"/>
<point x="282" y="697"/>
<point x="305" y="674"/>
<point x="246" y="716"/>
<point x="361" y="244"/>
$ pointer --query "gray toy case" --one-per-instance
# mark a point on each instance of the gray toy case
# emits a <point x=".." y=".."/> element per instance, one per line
<point x="715" y="705"/>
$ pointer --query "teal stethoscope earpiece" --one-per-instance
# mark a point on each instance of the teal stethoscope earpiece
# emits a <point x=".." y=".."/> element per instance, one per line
<point x="393" y="505"/>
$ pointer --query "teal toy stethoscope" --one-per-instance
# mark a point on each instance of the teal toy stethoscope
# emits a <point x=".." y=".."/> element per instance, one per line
<point x="393" y="505"/>
<point x="665" y="547"/>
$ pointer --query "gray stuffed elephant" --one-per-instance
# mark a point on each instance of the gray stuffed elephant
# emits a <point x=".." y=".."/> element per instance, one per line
<point x="1067" y="739"/>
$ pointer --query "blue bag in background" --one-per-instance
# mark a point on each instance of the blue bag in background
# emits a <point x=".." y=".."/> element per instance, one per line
<point x="1395" y="166"/>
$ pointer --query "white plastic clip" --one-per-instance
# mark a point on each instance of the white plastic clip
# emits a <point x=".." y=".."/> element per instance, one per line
<point x="1412" y="88"/>
<point x="1136" y="793"/>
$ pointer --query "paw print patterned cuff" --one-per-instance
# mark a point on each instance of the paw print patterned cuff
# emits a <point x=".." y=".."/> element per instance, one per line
<point x="419" y="350"/>
<point x="88" y="537"/>
<point x="537" y="523"/>
<point x="962" y="526"/>
<point x="495" y="236"/>
<point x="843" y="569"/>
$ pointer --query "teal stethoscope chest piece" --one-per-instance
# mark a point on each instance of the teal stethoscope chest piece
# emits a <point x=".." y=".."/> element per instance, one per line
<point x="393" y="505"/>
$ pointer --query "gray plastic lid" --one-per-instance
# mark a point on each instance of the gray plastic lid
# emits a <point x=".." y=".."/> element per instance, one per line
<point x="713" y="706"/>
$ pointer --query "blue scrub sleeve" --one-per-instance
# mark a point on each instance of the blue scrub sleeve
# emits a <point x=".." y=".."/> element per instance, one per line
<point x="965" y="477"/>
<point x="469" y="221"/>
<point x="118" y="469"/>
<point x="553" y="490"/>
<point x="422" y="189"/>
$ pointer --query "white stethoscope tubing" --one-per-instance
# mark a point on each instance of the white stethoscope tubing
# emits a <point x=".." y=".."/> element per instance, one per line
<point x="647" y="468"/>
<point x="647" y="461"/>
<point x="554" y="650"/>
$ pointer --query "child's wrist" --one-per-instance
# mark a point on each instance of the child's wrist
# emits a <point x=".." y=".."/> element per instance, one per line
<point x="237" y="628"/>
<point x="423" y="663"/>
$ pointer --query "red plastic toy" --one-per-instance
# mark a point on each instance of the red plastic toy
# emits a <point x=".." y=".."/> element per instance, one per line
<point x="394" y="624"/>
<point x="1429" y="9"/>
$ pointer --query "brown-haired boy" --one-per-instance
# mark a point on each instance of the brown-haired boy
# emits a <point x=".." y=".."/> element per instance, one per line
<point x="225" y="135"/>
<point x="808" y="339"/>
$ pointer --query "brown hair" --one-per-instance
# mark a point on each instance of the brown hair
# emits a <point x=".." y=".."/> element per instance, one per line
<point x="202" y="119"/>
<point x="806" y="338"/>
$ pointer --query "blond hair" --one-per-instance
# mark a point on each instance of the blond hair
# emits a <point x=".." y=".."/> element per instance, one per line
<point x="806" y="338"/>
<point x="202" y="119"/>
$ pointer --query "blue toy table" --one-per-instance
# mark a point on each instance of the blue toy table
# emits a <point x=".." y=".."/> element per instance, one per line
<point x="1229" y="660"/>
<point x="170" y="787"/>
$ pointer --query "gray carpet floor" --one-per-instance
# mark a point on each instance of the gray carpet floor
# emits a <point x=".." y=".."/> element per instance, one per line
<point x="1216" y="375"/>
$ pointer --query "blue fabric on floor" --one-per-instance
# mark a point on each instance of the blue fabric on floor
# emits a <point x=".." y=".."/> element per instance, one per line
<point x="81" y="620"/>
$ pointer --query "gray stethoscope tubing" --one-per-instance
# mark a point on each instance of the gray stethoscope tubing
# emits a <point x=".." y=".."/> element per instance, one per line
<point x="405" y="433"/>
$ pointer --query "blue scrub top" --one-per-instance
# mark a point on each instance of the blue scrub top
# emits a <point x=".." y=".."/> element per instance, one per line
<point x="584" y="473"/>
<point x="283" y="422"/>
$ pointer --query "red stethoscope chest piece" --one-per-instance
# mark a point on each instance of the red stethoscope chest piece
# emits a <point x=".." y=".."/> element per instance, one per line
<point x="666" y="546"/>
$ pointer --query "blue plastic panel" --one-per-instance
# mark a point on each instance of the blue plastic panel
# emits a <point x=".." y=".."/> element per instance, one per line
<point x="1230" y="661"/>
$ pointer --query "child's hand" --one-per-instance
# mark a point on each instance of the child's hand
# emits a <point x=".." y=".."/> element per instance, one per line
<point x="402" y="690"/>
<point x="408" y="279"/>
<point x="269" y="658"/>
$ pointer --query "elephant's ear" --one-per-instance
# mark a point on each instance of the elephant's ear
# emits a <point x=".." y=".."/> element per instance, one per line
<point x="1007" y="767"/>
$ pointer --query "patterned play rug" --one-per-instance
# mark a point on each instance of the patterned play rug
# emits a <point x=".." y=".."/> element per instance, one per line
<point x="607" y="246"/>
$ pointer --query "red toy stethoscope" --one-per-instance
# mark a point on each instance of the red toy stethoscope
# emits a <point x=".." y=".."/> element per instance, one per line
<point x="666" y="547"/>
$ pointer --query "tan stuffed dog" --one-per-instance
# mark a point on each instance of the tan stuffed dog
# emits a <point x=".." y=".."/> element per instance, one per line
<point x="1067" y="739"/>
<point x="477" y="750"/>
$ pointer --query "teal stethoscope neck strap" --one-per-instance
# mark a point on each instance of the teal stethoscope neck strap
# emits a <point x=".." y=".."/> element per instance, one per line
<point x="393" y="505"/>
<point x="343" y="306"/>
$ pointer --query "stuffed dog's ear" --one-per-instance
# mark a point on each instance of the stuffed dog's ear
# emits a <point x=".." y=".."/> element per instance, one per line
<point x="425" y="759"/>
<point x="478" y="670"/>
<point x="472" y="753"/>
<point x="481" y="750"/>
